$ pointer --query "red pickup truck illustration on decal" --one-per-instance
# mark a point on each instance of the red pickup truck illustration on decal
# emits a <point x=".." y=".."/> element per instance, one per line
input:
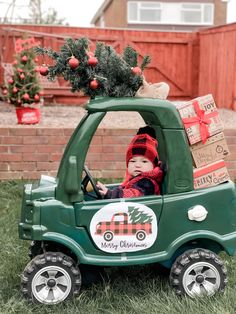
<point x="117" y="226"/>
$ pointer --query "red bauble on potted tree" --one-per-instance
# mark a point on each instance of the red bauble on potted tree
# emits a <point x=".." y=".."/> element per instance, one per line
<point x="23" y="89"/>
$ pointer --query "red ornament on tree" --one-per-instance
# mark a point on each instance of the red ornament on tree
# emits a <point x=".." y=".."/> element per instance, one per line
<point x="93" y="61"/>
<point x="26" y="96"/>
<point x="19" y="70"/>
<point x="73" y="63"/>
<point x="15" y="90"/>
<point x="4" y="91"/>
<point x="36" y="97"/>
<point x="22" y="76"/>
<point x="137" y="70"/>
<point x="94" y="84"/>
<point x="10" y="81"/>
<point x="43" y="70"/>
<point x="24" y="59"/>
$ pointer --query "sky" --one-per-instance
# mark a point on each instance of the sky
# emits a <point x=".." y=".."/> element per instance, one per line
<point x="80" y="12"/>
<point x="76" y="12"/>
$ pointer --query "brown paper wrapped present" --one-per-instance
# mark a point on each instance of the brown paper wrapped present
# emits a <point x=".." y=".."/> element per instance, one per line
<point x="201" y="118"/>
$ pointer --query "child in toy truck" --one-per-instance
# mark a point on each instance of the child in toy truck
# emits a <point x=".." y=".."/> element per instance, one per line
<point x="143" y="172"/>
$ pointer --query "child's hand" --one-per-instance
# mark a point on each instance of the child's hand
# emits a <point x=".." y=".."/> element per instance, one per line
<point x="102" y="188"/>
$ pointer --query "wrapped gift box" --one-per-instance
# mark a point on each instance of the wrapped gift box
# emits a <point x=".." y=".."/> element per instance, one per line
<point x="215" y="148"/>
<point x="201" y="118"/>
<point x="210" y="175"/>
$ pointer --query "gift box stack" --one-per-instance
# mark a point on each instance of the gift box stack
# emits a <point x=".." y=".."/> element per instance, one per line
<point x="208" y="146"/>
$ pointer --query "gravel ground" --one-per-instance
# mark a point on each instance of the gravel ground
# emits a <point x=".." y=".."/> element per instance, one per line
<point x="69" y="116"/>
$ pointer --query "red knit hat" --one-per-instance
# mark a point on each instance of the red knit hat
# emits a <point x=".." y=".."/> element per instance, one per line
<point x="143" y="145"/>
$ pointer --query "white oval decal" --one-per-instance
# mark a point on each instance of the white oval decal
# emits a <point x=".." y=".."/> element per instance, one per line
<point x="124" y="227"/>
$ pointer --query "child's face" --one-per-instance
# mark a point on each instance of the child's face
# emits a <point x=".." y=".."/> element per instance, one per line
<point x="139" y="164"/>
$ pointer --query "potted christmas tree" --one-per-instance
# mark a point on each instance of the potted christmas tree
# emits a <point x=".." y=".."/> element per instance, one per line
<point x="23" y="88"/>
<point x="99" y="73"/>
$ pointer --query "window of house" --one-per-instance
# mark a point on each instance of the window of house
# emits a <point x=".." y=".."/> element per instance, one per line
<point x="140" y="12"/>
<point x="144" y="12"/>
<point x="196" y="13"/>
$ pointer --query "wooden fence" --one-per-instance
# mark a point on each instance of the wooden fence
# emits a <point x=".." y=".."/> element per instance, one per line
<point x="217" y="64"/>
<point x="171" y="53"/>
<point x="193" y="64"/>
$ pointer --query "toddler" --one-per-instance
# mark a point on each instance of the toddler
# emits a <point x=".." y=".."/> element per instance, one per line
<point x="143" y="173"/>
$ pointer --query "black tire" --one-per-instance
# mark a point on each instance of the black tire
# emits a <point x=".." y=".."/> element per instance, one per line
<point x="35" y="249"/>
<point x="50" y="278"/>
<point x="198" y="272"/>
<point x="92" y="275"/>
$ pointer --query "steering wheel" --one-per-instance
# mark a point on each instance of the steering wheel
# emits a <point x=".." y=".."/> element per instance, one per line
<point x="88" y="178"/>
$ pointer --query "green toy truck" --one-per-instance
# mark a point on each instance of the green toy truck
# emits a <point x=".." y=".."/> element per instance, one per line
<point x="182" y="229"/>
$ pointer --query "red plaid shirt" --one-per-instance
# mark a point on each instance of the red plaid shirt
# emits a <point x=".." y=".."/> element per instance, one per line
<point x="147" y="183"/>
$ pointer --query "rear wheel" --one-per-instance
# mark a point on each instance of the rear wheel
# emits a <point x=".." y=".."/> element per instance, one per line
<point x="198" y="272"/>
<point x="50" y="278"/>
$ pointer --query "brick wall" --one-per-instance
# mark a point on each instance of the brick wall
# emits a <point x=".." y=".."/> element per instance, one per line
<point x="26" y="152"/>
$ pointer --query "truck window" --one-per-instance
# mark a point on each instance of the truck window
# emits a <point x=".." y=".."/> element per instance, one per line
<point x="106" y="154"/>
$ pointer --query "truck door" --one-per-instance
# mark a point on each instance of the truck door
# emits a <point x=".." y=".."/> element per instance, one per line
<point x="121" y="225"/>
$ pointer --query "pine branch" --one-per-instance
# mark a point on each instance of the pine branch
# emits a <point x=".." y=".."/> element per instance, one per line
<point x="48" y="51"/>
<point x="130" y="56"/>
<point x="145" y="62"/>
<point x="112" y="72"/>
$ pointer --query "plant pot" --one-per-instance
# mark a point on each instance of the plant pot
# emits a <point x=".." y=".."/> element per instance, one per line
<point x="27" y="115"/>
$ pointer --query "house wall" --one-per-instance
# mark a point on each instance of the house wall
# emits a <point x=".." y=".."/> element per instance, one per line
<point x="115" y="15"/>
<point x="220" y="12"/>
<point x="26" y="152"/>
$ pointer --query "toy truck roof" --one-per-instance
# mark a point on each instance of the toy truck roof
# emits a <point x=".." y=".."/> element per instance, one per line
<point x="162" y="115"/>
<point x="164" y="112"/>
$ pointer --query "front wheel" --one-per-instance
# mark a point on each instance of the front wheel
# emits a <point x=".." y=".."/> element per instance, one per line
<point x="50" y="278"/>
<point x="198" y="272"/>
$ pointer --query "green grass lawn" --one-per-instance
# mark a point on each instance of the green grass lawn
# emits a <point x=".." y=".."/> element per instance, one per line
<point x="128" y="290"/>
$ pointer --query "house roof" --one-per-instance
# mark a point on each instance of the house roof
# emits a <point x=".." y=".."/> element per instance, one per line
<point x="100" y="11"/>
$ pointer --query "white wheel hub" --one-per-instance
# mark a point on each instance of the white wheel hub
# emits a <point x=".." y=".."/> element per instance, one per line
<point x="201" y="278"/>
<point x="51" y="285"/>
